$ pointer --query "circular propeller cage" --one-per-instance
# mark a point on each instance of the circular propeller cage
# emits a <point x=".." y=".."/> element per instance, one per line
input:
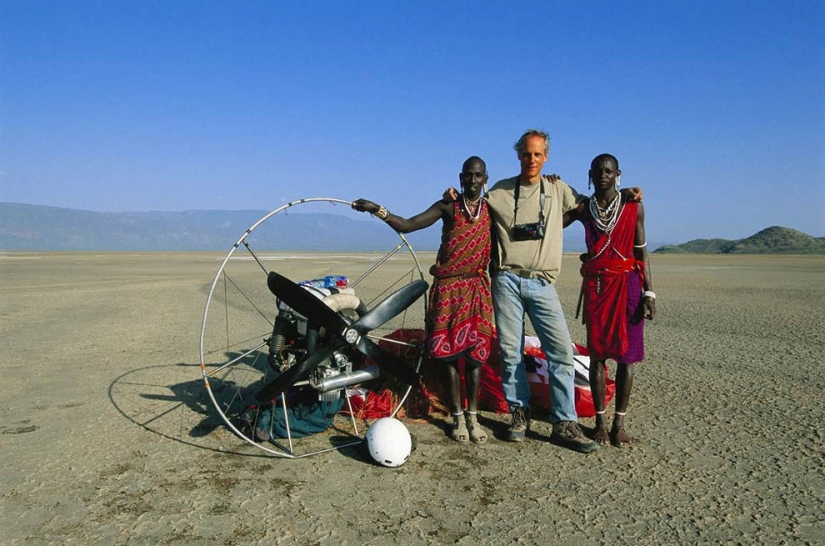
<point x="252" y="342"/>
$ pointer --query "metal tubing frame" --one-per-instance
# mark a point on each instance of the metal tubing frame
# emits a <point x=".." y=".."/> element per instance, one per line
<point x="289" y="452"/>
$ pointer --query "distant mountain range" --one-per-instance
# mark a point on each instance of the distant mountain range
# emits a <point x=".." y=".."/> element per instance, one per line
<point x="42" y="228"/>
<point x="772" y="240"/>
<point x="35" y="227"/>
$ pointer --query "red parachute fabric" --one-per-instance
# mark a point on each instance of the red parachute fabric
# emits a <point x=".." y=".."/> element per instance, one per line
<point x="432" y="397"/>
<point x="536" y="362"/>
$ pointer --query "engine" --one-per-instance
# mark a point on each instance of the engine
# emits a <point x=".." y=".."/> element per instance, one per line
<point x="294" y="337"/>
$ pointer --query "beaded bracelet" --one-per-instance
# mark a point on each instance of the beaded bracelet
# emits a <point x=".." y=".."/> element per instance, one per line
<point x="382" y="213"/>
<point x="650" y="294"/>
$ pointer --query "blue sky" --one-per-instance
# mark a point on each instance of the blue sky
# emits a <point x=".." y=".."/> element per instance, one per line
<point x="717" y="109"/>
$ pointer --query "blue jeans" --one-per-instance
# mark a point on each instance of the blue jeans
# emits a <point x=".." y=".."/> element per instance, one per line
<point x="513" y="296"/>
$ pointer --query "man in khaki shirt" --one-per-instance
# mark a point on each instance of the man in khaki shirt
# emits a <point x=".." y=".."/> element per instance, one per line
<point x="527" y="215"/>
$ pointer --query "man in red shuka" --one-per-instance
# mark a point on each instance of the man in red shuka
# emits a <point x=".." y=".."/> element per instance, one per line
<point x="617" y="290"/>
<point x="460" y="314"/>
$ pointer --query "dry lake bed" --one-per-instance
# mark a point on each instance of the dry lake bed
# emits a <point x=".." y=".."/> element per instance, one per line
<point x="107" y="435"/>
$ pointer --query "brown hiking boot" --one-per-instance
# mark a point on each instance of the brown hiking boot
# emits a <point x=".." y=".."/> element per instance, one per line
<point x="519" y="425"/>
<point x="570" y="435"/>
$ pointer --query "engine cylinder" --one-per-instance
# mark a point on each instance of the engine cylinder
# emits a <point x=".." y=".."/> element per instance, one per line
<point x="280" y="331"/>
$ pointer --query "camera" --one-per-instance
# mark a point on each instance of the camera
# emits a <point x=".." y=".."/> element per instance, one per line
<point x="528" y="232"/>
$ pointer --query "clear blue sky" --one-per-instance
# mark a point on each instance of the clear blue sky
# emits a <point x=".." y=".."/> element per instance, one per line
<point x="716" y="108"/>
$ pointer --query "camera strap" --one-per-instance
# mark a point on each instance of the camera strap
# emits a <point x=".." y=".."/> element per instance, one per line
<point x="541" y="201"/>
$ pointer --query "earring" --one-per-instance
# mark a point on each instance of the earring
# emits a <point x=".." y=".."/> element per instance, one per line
<point x="618" y="181"/>
<point x="484" y="190"/>
<point x="589" y="182"/>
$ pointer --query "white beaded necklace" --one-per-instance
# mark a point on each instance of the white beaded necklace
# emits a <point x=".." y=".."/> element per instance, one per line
<point x="607" y="217"/>
<point x="472" y="217"/>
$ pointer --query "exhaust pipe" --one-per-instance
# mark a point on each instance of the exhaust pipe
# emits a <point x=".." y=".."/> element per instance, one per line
<point x="337" y="382"/>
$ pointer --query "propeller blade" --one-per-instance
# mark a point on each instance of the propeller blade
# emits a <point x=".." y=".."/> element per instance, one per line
<point x="390" y="307"/>
<point x="394" y="365"/>
<point x="297" y="372"/>
<point x="300" y="300"/>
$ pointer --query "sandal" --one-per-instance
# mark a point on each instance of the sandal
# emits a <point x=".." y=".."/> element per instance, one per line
<point x="600" y="434"/>
<point x="620" y="438"/>
<point x="477" y="433"/>
<point x="459" y="432"/>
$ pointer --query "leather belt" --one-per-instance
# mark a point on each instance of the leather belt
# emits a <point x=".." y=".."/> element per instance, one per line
<point x="479" y="273"/>
<point x="526" y="273"/>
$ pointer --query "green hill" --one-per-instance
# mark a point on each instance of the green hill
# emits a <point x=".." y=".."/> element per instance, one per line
<point x="772" y="240"/>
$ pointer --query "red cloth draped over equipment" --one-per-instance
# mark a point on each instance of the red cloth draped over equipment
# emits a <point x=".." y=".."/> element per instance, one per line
<point x="431" y="395"/>
<point x="604" y="284"/>
<point x="538" y="375"/>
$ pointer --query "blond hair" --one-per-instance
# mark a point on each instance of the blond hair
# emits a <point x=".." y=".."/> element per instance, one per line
<point x="521" y="144"/>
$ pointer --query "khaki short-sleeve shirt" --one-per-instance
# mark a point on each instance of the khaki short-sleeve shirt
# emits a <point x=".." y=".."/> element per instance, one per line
<point x="543" y="255"/>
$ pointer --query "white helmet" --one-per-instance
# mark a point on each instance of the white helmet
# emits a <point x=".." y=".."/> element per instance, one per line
<point x="389" y="442"/>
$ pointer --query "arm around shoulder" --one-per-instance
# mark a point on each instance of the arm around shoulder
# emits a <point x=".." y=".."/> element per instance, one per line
<point x="574" y="214"/>
<point x="571" y="199"/>
<point x="632" y="194"/>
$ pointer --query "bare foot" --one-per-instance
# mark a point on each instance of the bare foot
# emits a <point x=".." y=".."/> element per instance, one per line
<point x="619" y="437"/>
<point x="601" y="437"/>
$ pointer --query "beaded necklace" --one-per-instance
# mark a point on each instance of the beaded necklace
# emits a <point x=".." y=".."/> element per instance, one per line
<point x="607" y="217"/>
<point x="472" y="217"/>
